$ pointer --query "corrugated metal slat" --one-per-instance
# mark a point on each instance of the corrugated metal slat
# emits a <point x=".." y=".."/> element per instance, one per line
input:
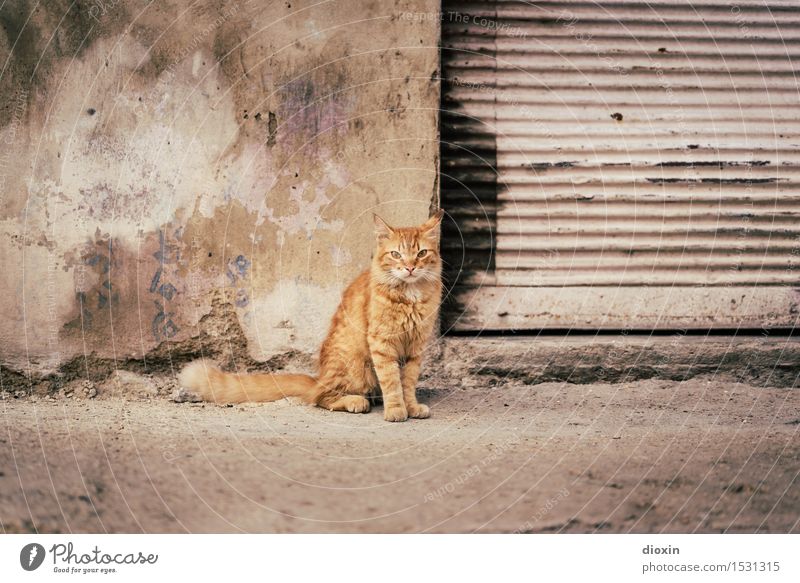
<point x="621" y="143"/>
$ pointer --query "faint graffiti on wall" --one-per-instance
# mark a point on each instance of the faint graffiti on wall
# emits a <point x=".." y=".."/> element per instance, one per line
<point x="163" y="326"/>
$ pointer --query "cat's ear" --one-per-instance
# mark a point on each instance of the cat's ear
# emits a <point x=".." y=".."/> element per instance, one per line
<point x="433" y="222"/>
<point x="382" y="228"/>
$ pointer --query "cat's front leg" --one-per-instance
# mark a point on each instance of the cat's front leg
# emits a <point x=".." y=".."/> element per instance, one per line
<point x="409" y="378"/>
<point x="387" y="368"/>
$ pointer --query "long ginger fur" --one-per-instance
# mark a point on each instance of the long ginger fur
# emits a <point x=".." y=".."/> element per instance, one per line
<point x="375" y="341"/>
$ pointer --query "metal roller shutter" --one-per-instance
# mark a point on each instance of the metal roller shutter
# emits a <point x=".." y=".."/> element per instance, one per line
<point x="621" y="164"/>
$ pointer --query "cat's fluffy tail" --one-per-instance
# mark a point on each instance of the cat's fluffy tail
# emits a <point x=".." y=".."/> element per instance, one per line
<point x="216" y="386"/>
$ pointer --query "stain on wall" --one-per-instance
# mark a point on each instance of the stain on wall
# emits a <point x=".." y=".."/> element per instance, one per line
<point x="157" y="157"/>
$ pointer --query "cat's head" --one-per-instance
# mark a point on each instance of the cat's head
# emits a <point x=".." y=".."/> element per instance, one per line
<point x="408" y="255"/>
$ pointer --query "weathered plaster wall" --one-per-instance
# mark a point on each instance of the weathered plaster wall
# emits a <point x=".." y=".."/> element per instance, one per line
<point x="163" y="161"/>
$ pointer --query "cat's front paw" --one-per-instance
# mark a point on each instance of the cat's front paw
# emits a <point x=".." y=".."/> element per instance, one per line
<point x="356" y="404"/>
<point x="418" y="411"/>
<point x="395" y="413"/>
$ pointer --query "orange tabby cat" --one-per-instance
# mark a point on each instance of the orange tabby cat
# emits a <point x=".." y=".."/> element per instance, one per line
<point x="377" y="336"/>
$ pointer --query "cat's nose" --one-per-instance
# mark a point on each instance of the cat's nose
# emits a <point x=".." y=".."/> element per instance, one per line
<point x="410" y="270"/>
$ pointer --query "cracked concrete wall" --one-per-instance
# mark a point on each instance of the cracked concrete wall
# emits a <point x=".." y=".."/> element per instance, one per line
<point x="158" y="157"/>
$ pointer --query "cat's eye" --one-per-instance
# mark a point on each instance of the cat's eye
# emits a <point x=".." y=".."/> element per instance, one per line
<point x="396" y="255"/>
<point x="422" y="253"/>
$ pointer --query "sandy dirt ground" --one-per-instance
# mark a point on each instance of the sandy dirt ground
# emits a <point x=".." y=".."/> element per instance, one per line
<point x="649" y="456"/>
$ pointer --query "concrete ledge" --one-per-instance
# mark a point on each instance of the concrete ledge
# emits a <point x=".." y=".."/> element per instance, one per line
<point x="580" y="359"/>
<point x="487" y="361"/>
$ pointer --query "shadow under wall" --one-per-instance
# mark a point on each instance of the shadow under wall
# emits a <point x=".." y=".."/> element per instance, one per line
<point x="469" y="186"/>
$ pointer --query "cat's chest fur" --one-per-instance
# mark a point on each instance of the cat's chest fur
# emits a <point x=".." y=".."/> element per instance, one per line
<point x="411" y="316"/>
<point x="405" y="317"/>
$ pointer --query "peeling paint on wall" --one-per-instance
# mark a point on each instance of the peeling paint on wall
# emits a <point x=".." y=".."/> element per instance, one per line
<point x="306" y="217"/>
<point x="156" y="155"/>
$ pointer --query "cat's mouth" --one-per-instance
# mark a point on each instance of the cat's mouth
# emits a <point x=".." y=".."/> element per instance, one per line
<point x="406" y="277"/>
